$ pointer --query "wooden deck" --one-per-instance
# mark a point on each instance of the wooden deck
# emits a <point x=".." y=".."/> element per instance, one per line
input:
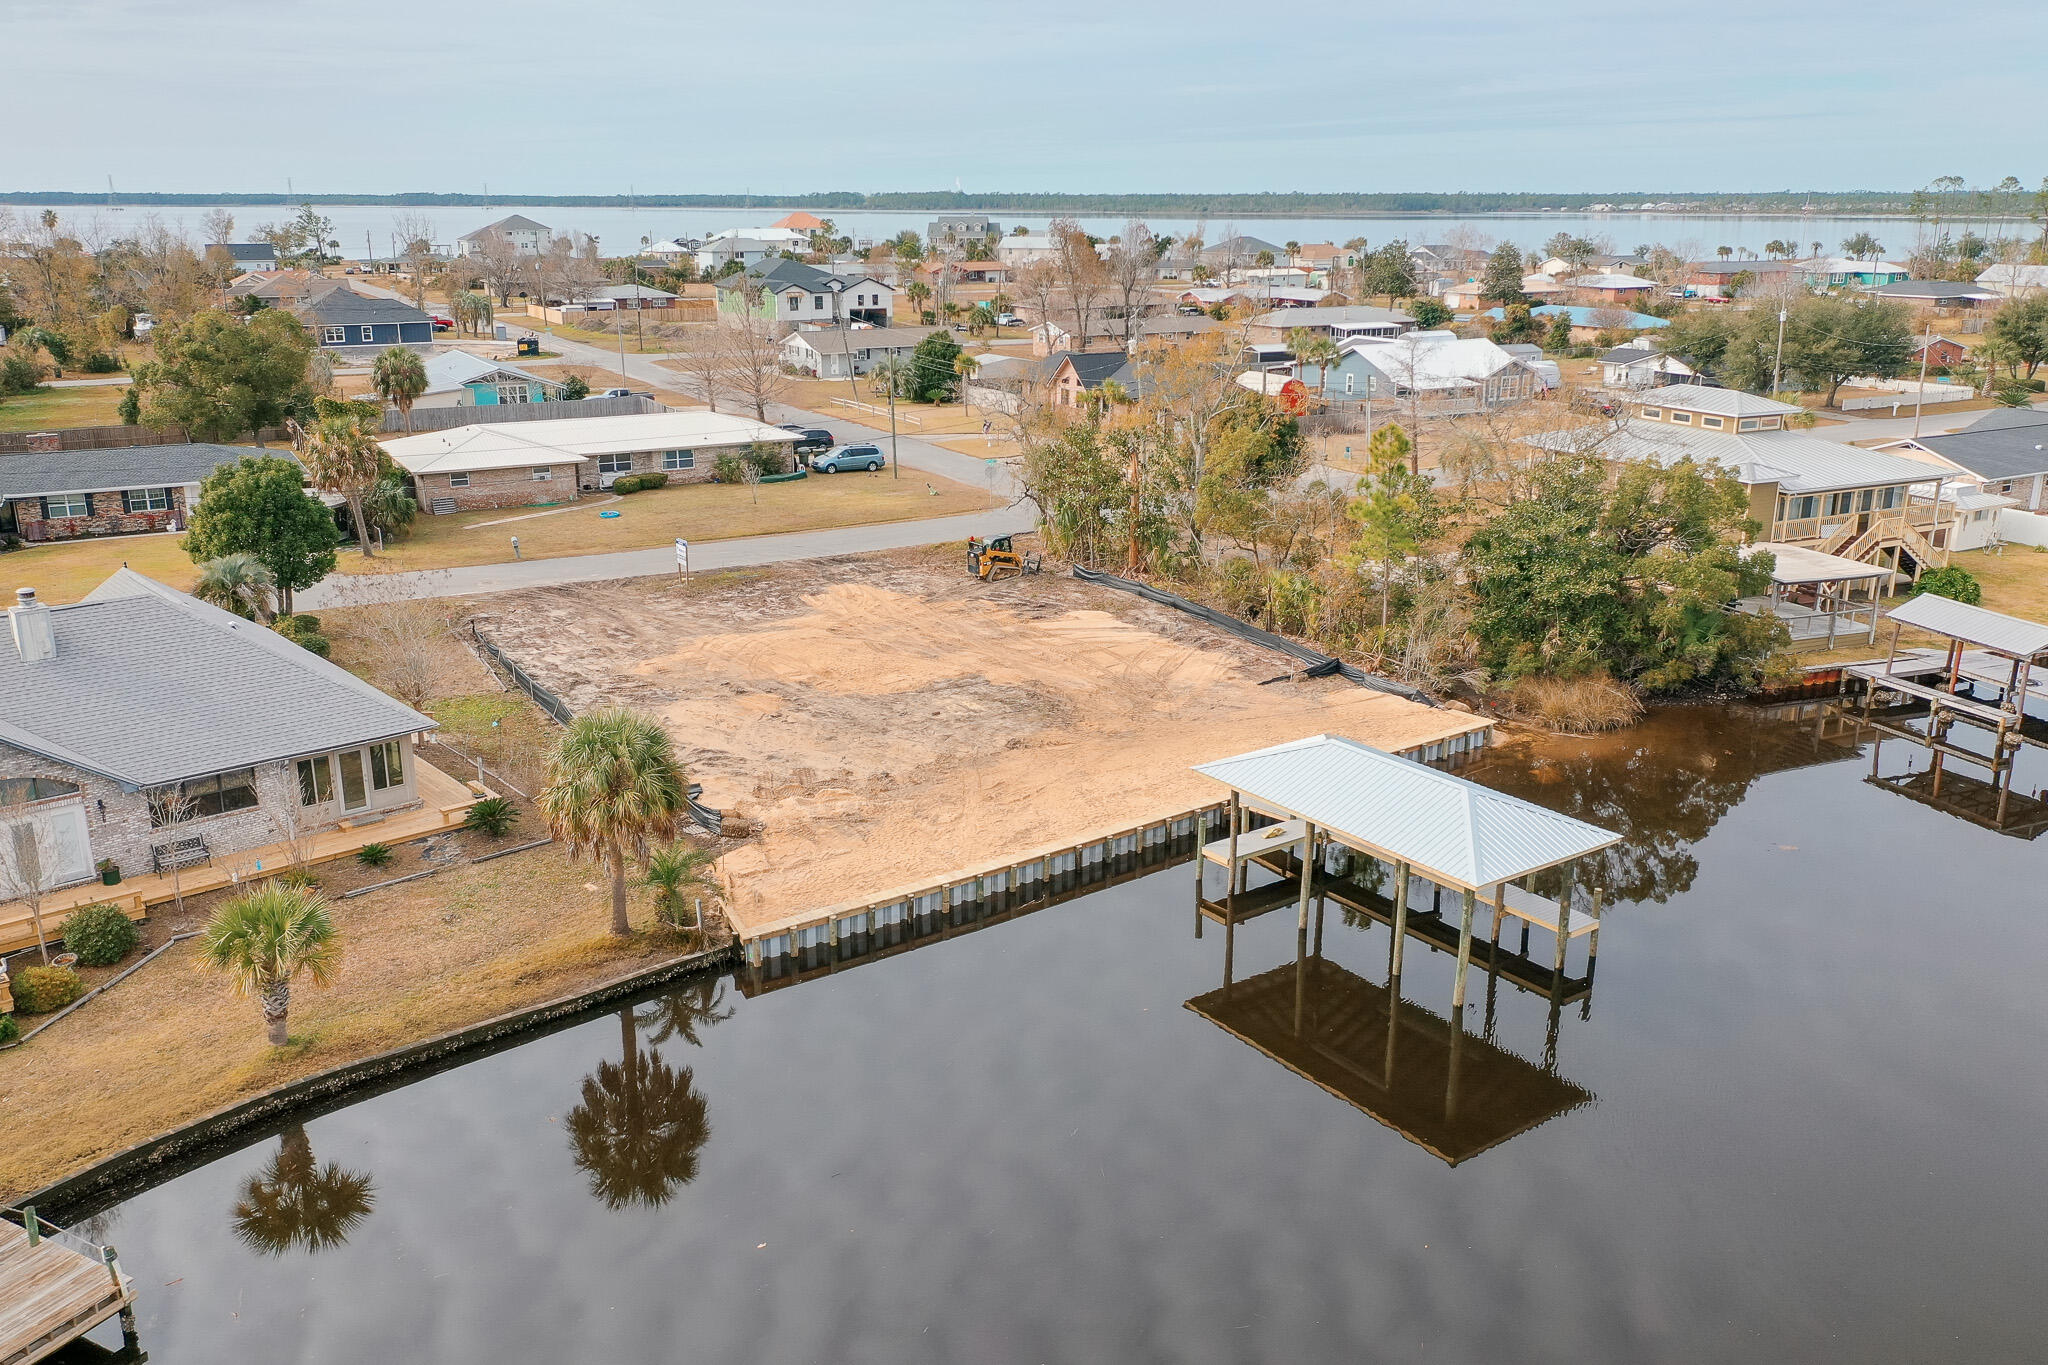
<point x="52" y="1293"/>
<point x="444" y="801"/>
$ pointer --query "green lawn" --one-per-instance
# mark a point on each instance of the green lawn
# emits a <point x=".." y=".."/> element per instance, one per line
<point x="70" y="569"/>
<point x="96" y="405"/>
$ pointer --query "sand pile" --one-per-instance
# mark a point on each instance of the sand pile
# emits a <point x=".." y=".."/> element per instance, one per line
<point x="890" y="722"/>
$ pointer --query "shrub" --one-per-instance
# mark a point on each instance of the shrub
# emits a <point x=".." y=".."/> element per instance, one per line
<point x="40" y="990"/>
<point x="9" y="1030"/>
<point x="728" y="467"/>
<point x="626" y="483"/>
<point x="374" y="855"/>
<point x="494" y="815"/>
<point x="316" y="644"/>
<point x="10" y="543"/>
<point x="100" y="934"/>
<point x="654" y="478"/>
<point x="305" y="623"/>
<point x="1951" y="582"/>
<point x="299" y="877"/>
<point x="99" y="362"/>
<point x="19" y="374"/>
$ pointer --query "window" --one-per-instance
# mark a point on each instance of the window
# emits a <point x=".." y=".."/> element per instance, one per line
<point x="1683" y="419"/>
<point x="514" y="393"/>
<point x="369" y="332"/>
<point x="614" y="464"/>
<point x="387" y="765"/>
<point x="19" y="791"/>
<point x="1347" y="382"/>
<point x="1746" y="424"/>
<point x="678" y="459"/>
<point x="1770" y="423"/>
<point x="1654" y="414"/>
<point x="66" y="505"/>
<point x="796" y="303"/>
<point x="542" y="473"/>
<point x="333" y="336"/>
<point x="817" y="302"/>
<point x="458" y="480"/>
<point x="1841" y="504"/>
<point x="208" y="795"/>
<point x="316" y="781"/>
<point x="1713" y="422"/>
<point x="1863" y="500"/>
<point x="146" y="500"/>
<point x="1888" y="498"/>
<point x="1803" y="508"/>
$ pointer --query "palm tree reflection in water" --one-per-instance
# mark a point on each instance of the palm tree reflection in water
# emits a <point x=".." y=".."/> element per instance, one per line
<point x="295" y="1203"/>
<point x="641" y="1124"/>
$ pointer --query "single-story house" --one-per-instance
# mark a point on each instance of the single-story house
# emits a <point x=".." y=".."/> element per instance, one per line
<point x="1324" y="256"/>
<point x="1461" y="297"/>
<point x="1076" y="374"/>
<point x="1557" y="267"/>
<point x="243" y="257"/>
<point x="1437" y="258"/>
<point x="518" y="464"/>
<point x="66" y="494"/>
<point x="1341" y="324"/>
<point x="1615" y="289"/>
<point x="1107" y="334"/>
<point x="1000" y="382"/>
<point x="1941" y="352"/>
<point x="1835" y="272"/>
<point x="608" y="297"/>
<point x="2015" y="281"/>
<point x="2005" y="452"/>
<point x="140" y="703"/>
<point x="1587" y="321"/>
<point x="341" y="319"/>
<point x="458" y="379"/>
<point x="1939" y="293"/>
<point x="963" y="272"/>
<point x="1642" y="367"/>
<point x="1266" y="295"/>
<point x="527" y="237"/>
<point x="279" y="288"/>
<point x="1442" y="374"/>
<point x="835" y="352"/>
<point x="1712" y="279"/>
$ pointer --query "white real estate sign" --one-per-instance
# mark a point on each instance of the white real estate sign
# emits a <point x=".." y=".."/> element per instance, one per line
<point x="682" y="556"/>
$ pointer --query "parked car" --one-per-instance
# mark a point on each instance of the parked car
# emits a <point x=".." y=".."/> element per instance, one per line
<point x="442" y="324"/>
<point x="810" y="440"/>
<point x="613" y="393"/>
<point x="840" y="459"/>
<point x="1008" y="320"/>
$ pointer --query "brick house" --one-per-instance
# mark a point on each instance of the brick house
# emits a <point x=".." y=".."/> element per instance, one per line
<point x="518" y="464"/>
<point x="111" y="704"/>
<point x="1942" y="353"/>
<point x="54" y="494"/>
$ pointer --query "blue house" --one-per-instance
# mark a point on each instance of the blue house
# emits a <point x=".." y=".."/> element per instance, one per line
<point x="341" y="318"/>
<point x="1583" y="316"/>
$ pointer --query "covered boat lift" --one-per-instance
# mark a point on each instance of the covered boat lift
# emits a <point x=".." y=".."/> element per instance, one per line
<point x="1327" y="793"/>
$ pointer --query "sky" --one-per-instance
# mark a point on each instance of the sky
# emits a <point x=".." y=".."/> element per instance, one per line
<point x="548" y="97"/>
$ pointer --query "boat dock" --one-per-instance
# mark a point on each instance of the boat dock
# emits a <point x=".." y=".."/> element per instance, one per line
<point x="54" y="1288"/>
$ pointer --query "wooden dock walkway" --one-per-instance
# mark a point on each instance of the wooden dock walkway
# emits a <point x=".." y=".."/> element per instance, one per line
<point x="54" y="1288"/>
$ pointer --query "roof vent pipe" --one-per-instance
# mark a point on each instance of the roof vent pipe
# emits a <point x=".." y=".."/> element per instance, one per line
<point x="35" y="639"/>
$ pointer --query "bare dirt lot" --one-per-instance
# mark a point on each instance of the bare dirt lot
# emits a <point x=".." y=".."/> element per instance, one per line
<point x="886" y="719"/>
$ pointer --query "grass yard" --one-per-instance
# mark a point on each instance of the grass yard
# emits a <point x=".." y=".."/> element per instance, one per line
<point x="91" y="405"/>
<point x="696" y="511"/>
<point x="2015" y="583"/>
<point x="826" y="396"/>
<point x="68" y="570"/>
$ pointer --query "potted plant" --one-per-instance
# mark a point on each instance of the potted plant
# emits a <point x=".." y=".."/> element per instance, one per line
<point x="110" y="872"/>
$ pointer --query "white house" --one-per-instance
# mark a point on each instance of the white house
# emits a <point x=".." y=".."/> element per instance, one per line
<point x="458" y="379"/>
<point x="2015" y="281"/>
<point x="1640" y="367"/>
<point x="836" y="352"/>
<point x="1026" y="249"/>
<point x="527" y="237"/>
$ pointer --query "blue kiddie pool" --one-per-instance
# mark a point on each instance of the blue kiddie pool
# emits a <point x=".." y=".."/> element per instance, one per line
<point x="607" y="514"/>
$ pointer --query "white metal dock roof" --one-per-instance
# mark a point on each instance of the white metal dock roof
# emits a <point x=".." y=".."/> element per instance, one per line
<point x="1994" y="630"/>
<point x="1452" y="831"/>
<point x="1802" y="564"/>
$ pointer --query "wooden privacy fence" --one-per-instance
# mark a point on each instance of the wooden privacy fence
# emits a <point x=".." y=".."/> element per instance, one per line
<point x="117" y="438"/>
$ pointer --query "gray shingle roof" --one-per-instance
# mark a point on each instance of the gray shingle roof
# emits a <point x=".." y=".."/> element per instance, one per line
<point x="97" y="471"/>
<point x="249" y="251"/>
<point x="151" y="686"/>
<point x="342" y="306"/>
<point x="517" y="222"/>
<point x="2005" y="443"/>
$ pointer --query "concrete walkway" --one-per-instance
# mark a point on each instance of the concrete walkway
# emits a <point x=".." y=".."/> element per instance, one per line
<point x="341" y="590"/>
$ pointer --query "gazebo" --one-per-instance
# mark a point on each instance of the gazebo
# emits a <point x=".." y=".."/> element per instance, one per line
<point x="1815" y="593"/>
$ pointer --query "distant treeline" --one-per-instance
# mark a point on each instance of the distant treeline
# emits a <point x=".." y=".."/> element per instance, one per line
<point x="1094" y="205"/>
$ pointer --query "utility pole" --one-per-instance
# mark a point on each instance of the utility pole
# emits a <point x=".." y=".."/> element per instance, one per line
<point x="1778" y="365"/>
<point x="895" y="453"/>
<point x="1920" y="397"/>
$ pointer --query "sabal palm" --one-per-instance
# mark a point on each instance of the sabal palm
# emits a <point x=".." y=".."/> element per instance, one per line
<point x="639" y="1127"/>
<point x="265" y="938"/>
<point x="680" y="874"/>
<point x="400" y="377"/>
<point x="614" y="787"/>
<point x="339" y="455"/>
<point x="295" y="1202"/>
<point x="240" y="583"/>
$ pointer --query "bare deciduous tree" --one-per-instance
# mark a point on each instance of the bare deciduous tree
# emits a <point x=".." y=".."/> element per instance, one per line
<point x="1080" y="274"/>
<point x="412" y="236"/>
<point x="1132" y="265"/>
<point x="30" y="862"/>
<point x="747" y="363"/>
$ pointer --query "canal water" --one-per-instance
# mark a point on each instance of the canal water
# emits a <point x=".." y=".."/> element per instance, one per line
<point x="1799" y="1117"/>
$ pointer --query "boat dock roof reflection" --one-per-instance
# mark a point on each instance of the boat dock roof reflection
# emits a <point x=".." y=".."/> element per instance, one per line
<point x="1449" y="1092"/>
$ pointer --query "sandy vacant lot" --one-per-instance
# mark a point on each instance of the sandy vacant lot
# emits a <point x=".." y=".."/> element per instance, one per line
<point x="888" y="720"/>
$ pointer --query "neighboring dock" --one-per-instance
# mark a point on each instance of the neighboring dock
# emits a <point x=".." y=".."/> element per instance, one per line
<point x="54" y="1288"/>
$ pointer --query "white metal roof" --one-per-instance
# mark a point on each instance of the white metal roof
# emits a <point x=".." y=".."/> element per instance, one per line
<point x="453" y="369"/>
<point x="1719" y="402"/>
<point x="1611" y="282"/>
<point x="1994" y="630"/>
<point x="509" y="445"/>
<point x="1452" y="831"/>
<point x="1798" y="564"/>
<point x="1795" y="461"/>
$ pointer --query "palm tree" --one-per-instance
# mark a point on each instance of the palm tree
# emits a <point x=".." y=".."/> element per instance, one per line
<point x="1724" y="252"/>
<point x="264" y="938"/>
<point x="680" y="874"/>
<point x="294" y="1202"/>
<point x="917" y="291"/>
<point x="965" y="365"/>
<point x="613" y="786"/>
<point x="639" y="1127"/>
<point x="339" y="455"/>
<point x="400" y="378"/>
<point x="679" y="1014"/>
<point x="240" y="583"/>
<point x="1314" y="348"/>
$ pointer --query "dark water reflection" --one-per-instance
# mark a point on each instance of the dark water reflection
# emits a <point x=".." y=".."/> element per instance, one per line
<point x="1801" y="1121"/>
